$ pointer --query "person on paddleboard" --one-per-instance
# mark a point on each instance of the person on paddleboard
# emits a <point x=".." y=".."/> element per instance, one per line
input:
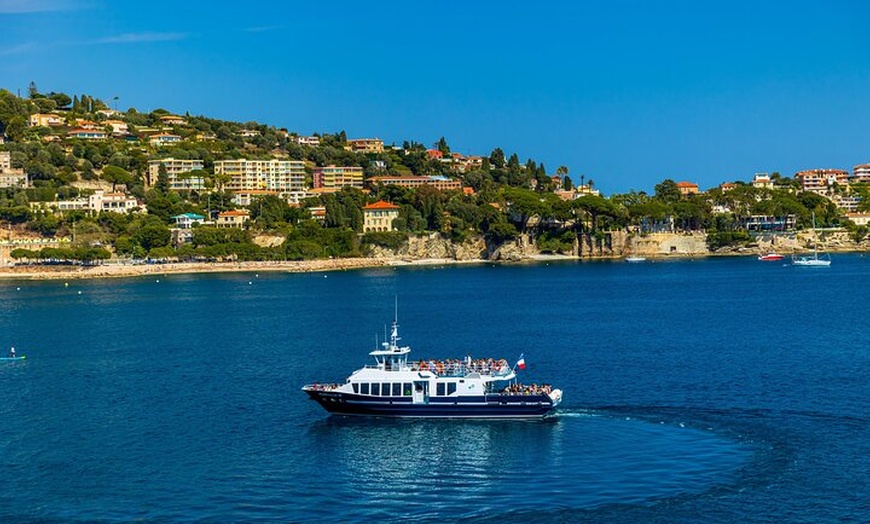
<point x="12" y="352"/>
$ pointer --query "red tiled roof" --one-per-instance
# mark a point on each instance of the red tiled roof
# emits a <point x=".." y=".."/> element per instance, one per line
<point x="380" y="204"/>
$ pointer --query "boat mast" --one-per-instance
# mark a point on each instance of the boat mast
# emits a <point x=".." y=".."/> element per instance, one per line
<point x="394" y="336"/>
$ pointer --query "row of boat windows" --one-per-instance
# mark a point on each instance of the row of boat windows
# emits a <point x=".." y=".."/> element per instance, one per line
<point x="397" y="389"/>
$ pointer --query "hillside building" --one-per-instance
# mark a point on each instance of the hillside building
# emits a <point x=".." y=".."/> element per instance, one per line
<point x="178" y="172"/>
<point x="337" y="177"/>
<point x="379" y="216"/>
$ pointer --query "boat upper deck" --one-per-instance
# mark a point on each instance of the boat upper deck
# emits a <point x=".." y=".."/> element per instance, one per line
<point x="450" y="368"/>
<point x="461" y="368"/>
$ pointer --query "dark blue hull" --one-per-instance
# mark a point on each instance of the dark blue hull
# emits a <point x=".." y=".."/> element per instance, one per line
<point x="483" y="406"/>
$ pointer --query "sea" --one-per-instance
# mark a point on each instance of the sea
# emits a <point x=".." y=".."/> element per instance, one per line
<point x="695" y="390"/>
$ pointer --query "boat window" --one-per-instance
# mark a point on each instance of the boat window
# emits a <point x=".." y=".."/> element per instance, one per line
<point x="376" y="390"/>
<point x="407" y="386"/>
<point x="397" y="389"/>
<point x="451" y="388"/>
<point x="364" y="388"/>
<point x="385" y="390"/>
<point x="355" y="387"/>
<point x="439" y="389"/>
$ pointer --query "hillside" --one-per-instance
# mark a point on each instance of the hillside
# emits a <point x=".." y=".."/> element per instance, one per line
<point x="83" y="182"/>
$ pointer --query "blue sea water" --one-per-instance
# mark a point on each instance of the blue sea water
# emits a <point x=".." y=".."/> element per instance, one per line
<point x="712" y="390"/>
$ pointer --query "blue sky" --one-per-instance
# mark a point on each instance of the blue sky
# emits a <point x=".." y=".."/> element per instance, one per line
<point x="626" y="93"/>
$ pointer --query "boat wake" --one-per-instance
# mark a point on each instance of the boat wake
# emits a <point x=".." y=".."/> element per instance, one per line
<point x="576" y="413"/>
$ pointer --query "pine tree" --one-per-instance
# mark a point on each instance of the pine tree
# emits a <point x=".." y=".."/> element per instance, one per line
<point x="162" y="184"/>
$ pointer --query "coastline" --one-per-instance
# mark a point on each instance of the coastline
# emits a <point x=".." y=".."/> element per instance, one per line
<point x="108" y="271"/>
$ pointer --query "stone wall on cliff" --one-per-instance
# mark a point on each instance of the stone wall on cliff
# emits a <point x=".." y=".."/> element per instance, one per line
<point x="434" y="246"/>
<point x="615" y="244"/>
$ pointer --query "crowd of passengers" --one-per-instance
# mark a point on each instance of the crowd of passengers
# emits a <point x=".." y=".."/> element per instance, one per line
<point x="457" y="367"/>
<point x="521" y="389"/>
<point x="324" y="387"/>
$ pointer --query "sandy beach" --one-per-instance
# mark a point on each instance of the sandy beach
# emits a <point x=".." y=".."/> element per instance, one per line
<point x="115" y="270"/>
<point x="35" y="272"/>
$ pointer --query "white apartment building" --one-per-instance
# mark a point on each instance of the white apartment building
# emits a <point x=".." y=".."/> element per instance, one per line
<point x="306" y="140"/>
<point x="10" y="176"/>
<point x="99" y="201"/>
<point x="338" y="177"/>
<point x="861" y="173"/>
<point x="287" y="177"/>
<point x="178" y="173"/>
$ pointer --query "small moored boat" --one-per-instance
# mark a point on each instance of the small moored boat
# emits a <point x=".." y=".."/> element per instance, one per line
<point x="770" y="257"/>
<point x="814" y="260"/>
<point x="453" y="388"/>
<point x="635" y="259"/>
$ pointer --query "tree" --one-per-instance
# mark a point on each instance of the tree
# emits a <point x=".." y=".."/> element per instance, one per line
<point x="430" y="203"/>
<point x="667" y="191"/>
<point x="162" y="184"/>
<point x="62" y="100"/>
<point x="442" y="146"/>
<point x="594" y="206"/>
<point x="523" y="204"/>
<point x="153" y="236"/>
<point x="116" y="175"/>
<point x="16" y="126"/>
<point x="496" y="158"/>
<point x="513" y="164"/>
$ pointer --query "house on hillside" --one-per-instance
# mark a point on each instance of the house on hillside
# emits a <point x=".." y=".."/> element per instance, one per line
<point x="87" y="134"/>
<point x="45" y="120"/>
<point x="162" y="139"/>
<point x="379" y="216"/>
<point x="236" y="218"/>
<point x="172" y="120"/>
<point x="687" y="188"/>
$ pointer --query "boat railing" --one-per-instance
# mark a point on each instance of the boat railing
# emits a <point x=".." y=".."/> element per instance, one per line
<point x="525" y="389"/>
<point x="322" y="387"/>
<point x="461" y="368"/>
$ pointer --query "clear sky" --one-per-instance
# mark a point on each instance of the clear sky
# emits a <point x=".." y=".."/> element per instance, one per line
<point x="626" y="93"/>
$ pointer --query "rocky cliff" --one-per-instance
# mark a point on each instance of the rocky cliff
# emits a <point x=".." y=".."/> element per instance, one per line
<point x="617" y="244"/>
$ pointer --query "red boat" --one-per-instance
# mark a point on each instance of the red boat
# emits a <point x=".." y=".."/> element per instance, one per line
<point x="771" y="257"/>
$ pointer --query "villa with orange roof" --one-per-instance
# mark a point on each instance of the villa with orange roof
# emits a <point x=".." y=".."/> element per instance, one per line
<point x="365" y="145"/>
<point x="172" y="120"/>
<point x="379" y="216"/>
<point x="46" y="120"/>
<point x="687" y="188"/>
<point x="236" y="218"/>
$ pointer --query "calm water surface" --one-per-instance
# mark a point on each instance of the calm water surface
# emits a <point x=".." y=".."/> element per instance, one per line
<point x="716" y="390"/>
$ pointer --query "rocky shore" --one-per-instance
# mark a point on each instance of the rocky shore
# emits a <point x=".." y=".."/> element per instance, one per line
<point x="435" y="250"/>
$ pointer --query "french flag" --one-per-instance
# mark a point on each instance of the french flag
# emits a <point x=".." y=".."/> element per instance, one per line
<point x="521" y="363"/>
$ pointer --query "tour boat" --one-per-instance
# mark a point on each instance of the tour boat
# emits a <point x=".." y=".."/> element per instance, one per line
<point x="771" y="257"/>
<point x="453" y="388"/>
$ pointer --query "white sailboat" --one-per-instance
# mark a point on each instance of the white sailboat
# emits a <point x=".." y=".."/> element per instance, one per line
<point x="813" y="260"/>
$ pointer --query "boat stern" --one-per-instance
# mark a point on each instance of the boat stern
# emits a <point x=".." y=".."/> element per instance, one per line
<point x="555" y="397"/>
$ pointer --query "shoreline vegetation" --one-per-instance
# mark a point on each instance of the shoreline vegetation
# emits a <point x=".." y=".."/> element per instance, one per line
<point x="130" y="270"/>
